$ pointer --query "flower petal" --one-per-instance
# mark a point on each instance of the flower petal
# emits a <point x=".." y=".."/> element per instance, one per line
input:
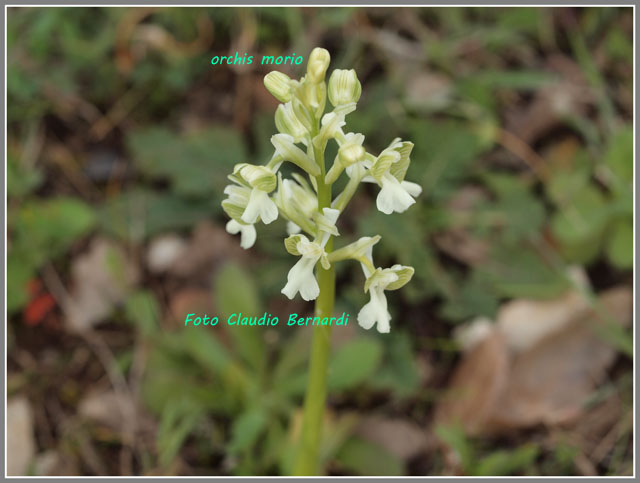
<point x="375" y="312"/>
<point x="247" y="233"/>
<point x="393" y="197"/>
<point x="260" y="205"/>
<point x="301" y="279"/>
<point x="414" y="189"/>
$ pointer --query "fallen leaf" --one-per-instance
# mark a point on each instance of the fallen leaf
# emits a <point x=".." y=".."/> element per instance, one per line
<point x="524" y="322"/>
<point x="101" y="279"/>
<point x="209" y="245"/>
<point x="402" y="438"/>
<point x="550" y="383"/>
<point x="476" y="386"/>
<point x="22" y="444"/>
<point x="495" y="389"/>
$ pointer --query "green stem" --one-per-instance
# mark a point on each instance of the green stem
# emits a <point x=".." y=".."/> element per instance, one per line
<point x="316" y="395"/>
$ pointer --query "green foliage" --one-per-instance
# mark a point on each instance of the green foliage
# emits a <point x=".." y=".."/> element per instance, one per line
<point x="590" y="221"/>
<point x="141" y="213"/>
<point x="248" y="341"/>
<point x="178" y="419"/>
<point x="42" y="231"/>
<point x="186" y="160"/>
<point x="353" y="363"/>
<point x="367" y="459"/>
<point x="510" y="462"/>
<point x="143" y="310"/>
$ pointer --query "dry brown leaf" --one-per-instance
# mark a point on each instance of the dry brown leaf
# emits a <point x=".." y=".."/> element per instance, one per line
<point x="209" y="244"/>
<point x="402" y="438"/>
<point x="102" y="278"/>
<point x="22" y="444"/>
<point x="494" y="389"/>
<point x="551" y="382"/>
<point x="525" y="322"/>
<point x="476" y="385"/>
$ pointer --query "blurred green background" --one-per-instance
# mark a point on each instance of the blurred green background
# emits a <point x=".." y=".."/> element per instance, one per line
<point x="120" y="137"/>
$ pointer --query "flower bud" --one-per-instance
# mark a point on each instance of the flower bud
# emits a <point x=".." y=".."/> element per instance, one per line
<point x="279" y="85"/>
<point x="318" y="64"/>
<point x="344" y="87"/>
<point x="288" y="123"/>
<point x="259" y="177"/>
<point x="350" y="153"/>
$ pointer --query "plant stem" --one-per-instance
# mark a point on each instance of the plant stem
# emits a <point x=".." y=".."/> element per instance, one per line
<point x="307" y="459"/>
<point x="316" y="395"/>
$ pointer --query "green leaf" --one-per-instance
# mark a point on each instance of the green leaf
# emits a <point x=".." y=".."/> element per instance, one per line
<point x="516" y="271"/>
<point x="619" y="247"/>
<point x="143" y="310"/>
<point x="290" y="372"/>
<point x="41" y="230"/>
<point x="353" y="363"/>
<point x="399" y="370"/>
<point x="473" y="297"/>
<point x="368" y="459"/>
<point x="579" y="226"/>
<point x="19" y="272"/>
<point x="205" y="348"/>
<point x="141" y="213"/>
<point x="196" y="163"/>
<point x="246" y="429"/>
<point x="48" y="228"/>
<point x="170" y="372"/>
<point x="506" y="463"/>
<point x="619" y="156"/>
<point x="455" y="437"/>
<point x="444" y="155"/>
<point x="514" y="200"/>
<point x="179" y="419"/>
<point x="236" y="293"/>
<point x="21" y="181"/>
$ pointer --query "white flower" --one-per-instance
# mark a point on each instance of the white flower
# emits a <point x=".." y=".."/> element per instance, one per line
<point x="247" y="233"/>
<point x="375" y="311"/>
<point x="260" y="205"/>
<point x="388" y="171"/>
<point x="301" y="277"/>
<point x="297" y="202"/>
<point x="395" y="195"/>
<point x="249" y="199"/>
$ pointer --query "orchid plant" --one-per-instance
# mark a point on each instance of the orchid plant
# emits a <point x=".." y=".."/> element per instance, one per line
<point x="260" y="194"/>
